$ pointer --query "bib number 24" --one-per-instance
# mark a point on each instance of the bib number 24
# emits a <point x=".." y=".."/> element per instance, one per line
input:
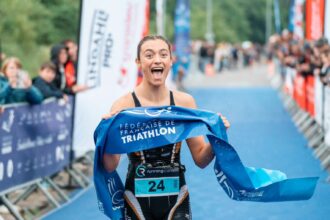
<point x="156" y="185"/>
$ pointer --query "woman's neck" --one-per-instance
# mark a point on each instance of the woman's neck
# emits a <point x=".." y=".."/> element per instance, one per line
<point x="154" y="94"/>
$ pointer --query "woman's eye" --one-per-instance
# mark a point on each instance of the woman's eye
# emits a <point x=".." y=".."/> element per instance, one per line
<point x="164" y="55"/>
<point x="148" y="56"/>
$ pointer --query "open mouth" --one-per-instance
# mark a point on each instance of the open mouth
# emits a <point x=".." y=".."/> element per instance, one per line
<point x="157" y="70"/>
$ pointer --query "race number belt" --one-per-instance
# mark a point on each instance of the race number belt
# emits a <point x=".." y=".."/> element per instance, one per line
<point x="156" y="181"/>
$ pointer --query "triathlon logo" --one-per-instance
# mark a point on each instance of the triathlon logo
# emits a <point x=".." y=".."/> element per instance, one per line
<point x="140" y="171"/>
<point x="222" y="179"/>
<point x="149" y="112"/>
<point x="116" y="194"/>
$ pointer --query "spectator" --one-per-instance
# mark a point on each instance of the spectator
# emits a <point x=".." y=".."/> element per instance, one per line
<point x="71" y="65"/>
<point x="59" y="57"/>
<point x="203" y="57"/>
<point x="21" y="89"/>
<point x="325" y="71"/>
<point x="44" y="81"/>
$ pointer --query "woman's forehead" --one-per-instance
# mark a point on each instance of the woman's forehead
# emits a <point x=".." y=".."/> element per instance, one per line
<point x="154" y="45"/>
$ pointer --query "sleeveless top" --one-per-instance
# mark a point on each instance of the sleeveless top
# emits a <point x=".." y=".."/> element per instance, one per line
<point x="160" y="156"/>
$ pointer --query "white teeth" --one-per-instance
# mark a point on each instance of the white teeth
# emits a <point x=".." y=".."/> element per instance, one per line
<point x="157" y="70"/>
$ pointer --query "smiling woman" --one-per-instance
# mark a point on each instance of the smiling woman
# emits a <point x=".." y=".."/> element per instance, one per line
<point x="168" y="197"/>
<point x="155" y="59"/>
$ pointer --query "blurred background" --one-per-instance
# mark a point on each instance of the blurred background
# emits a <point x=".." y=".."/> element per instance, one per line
<point x="264" y="64"/>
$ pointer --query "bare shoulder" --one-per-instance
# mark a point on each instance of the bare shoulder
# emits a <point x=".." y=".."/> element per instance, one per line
<point x="184" y="99"/>
<point x="124" y="102"/>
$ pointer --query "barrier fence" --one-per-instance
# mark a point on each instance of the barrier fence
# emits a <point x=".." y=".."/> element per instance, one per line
<point x="308" y="101"/>
<point x="35" y="142"/>
<point x="36" y="145"/>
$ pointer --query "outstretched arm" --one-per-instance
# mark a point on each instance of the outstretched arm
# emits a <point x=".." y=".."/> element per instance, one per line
<point x="111" y="161"/>
<point x="201" y="151"/>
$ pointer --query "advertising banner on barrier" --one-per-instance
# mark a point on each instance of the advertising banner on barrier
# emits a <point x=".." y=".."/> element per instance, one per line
<point x="109" y="33"/>
<point x="319" y="98"/>
<point x="327" y="115"/>
<point x="300" y="91"/>
<point x="314" y="19"/>
<point x="310" y="89"/>
<point x="34" y="141"/>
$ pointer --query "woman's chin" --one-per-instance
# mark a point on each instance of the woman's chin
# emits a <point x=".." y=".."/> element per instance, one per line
<point x="158" y="82"/>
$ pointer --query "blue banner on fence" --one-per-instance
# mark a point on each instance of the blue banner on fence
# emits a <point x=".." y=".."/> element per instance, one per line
<point x="182" y="34"/>
<point x="34" y="141"/>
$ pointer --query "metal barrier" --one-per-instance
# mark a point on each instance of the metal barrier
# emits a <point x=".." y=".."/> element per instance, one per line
<point x="308" y="102"/>
<point x="35" y="147"/>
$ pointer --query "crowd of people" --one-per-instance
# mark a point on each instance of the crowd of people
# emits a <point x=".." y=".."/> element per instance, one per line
<point x="225" y="55"/>
<point x="307" y="57"/>
<point x="56" y="78"/>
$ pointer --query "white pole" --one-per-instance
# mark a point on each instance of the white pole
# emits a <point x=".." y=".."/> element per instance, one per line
<point x="160" y="18"/>
<point x="209" y="26"/>
<point x="327" y="20"/>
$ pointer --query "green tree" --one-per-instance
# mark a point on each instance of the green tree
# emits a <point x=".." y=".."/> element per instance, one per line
<point x="233" y="20"/>
<point x="29" y="28"/>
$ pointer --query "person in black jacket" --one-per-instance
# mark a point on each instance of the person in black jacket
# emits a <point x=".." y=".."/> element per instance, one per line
<point x="44" y="81"/>
<point x="59" y="57"/>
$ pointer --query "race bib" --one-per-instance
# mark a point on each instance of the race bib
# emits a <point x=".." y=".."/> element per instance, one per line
<point x="156" y="181"/>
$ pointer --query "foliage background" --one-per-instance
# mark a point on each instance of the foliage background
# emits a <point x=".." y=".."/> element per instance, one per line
<point x="28" y="28"/>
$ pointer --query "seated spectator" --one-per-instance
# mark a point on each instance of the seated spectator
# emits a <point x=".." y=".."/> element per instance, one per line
<point x="44" y="81"/>
<point x="20" y="84"/>
<point x="59" y="57"/>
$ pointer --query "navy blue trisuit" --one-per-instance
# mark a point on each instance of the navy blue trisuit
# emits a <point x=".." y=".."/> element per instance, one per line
<point x="155" y="187"/>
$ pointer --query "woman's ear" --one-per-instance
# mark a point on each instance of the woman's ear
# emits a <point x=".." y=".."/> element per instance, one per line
<point x="137" y="61"/>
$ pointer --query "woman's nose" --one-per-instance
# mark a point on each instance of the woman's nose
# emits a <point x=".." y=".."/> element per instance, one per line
<point x="157" y="59"/>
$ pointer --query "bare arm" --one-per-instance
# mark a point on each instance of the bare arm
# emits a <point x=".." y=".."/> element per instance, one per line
<point x="201" y="151"/>
<point x="111" y="161"/>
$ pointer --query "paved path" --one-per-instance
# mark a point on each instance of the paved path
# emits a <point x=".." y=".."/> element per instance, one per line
<point x="264" y="136"/>
<point x="254" y="76"/>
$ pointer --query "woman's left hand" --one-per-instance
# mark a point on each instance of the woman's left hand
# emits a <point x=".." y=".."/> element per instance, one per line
<point x="224" y="120"/>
